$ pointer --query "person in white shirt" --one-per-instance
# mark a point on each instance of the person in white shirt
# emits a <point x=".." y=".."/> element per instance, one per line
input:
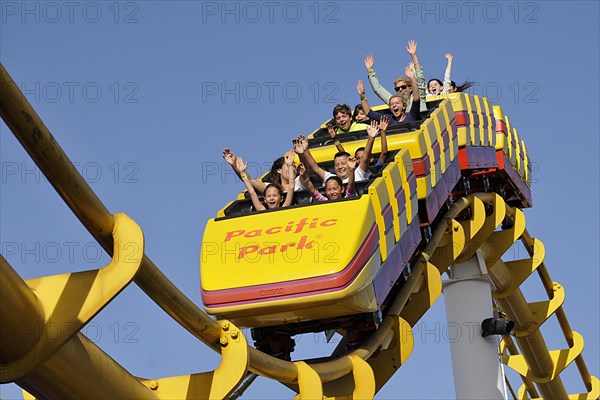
<point x="340" y="160"/>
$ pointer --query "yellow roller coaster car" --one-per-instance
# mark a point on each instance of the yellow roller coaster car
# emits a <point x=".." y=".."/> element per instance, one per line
<point x="314" y="266"/>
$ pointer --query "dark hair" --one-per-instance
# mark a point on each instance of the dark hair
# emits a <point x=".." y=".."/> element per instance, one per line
<point x="341" y="154"/>
<point x="276" y="186"/>
<point x="335" y="178"/>
<point x="436" y="80"/>
<point x="279" y="189"/>
<point x="276" y="176"/>
<point x="355" y="113"/>
<point x="342" y="108"/>
<point x="359" y="149"/>
<point x="464" y="86"/>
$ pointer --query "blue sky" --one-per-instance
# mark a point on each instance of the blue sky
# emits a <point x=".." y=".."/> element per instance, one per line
<point x="143" y="96"/>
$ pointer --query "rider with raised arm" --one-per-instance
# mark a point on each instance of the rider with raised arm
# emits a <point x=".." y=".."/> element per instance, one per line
<point x="435" y="87"/>
<point x="397" y="103"/>
<point x="334" y="188"/>
<point x="402" y="84"/>
<point x="383" y="124"/>
<point x="340" y="160"/>
<point x="274" y="192"/>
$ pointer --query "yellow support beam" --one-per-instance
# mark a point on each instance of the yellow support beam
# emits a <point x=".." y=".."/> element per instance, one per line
<point x="471" y="227"/>
<point x="217" y="384"/>
<point x="483" y="224"/>
<point x="70" y="300"/>
<point x="429" y="290"/>
<point x="542" y="310"/>
<point x="450" y="247"/>
<point x="360" y="387"/>
<point x="234" y="363"/>
<point x="522" y="269"/>
<point x="533" y="346"/>
<point x="560" y="358"/>
<point x="500" y="241"/>
<point x="309" y="382"/>
<point x="393" y="354"/>
<point x="593" y="394"/>
<point x="364" y="379"/>
<point x="23" y="304"/>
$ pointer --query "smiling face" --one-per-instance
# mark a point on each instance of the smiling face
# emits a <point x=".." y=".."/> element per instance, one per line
<point x="340" y="164"/>
<point x="396" y="107"/>
<point x="343" y="120"/>
<point x="360" y="115"/>
<point x="358" y="155"/>
<point x="333" y="189"/>
<point x="272" y="197"/>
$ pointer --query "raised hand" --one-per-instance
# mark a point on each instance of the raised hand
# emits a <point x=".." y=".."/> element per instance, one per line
<point x="229" y="156"/>
<point x="384" y="123"/>
<point x="303" y="142"/>
<point x="289" y="171"/>
<point x="352" y="163"/>
<point x="448" y="57"/>
<point x="240" y="165"/>
<point x="410" y="71"/>
<point x="360" y="87"/>
<point x="300" y="144"/>
<point x="373" y="130"/>
<point x="369" y="61"/>
<point x="298" y="148"/>
<point x="289" y="157"/>
<point x="331" y="131"/>
<point x="411" y="47"/>
<point x="301" y="170"/>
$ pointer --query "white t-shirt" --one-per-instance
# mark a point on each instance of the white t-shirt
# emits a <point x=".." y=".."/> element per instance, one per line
<point x="359" y="175"/>
<point x="298" y="184"/>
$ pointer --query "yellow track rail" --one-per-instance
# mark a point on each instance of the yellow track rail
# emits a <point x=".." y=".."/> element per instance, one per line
<point x="57" y="371"/>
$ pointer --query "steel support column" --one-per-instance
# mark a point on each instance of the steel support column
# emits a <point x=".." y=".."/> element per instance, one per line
<point x="476" y="364"/>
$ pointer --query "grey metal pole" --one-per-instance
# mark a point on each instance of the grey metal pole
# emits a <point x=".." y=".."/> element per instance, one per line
<point x="477" y="370"/>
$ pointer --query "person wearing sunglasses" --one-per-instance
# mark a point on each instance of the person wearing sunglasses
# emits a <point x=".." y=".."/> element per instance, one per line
<point x="402" y="85"/>
<point x="397" y="103"/>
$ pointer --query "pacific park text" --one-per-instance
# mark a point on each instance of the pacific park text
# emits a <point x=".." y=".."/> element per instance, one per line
<point x="291" y="227"/>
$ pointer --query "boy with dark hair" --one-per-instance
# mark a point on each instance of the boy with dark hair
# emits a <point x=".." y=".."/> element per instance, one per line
<point x="342" y="114"/>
